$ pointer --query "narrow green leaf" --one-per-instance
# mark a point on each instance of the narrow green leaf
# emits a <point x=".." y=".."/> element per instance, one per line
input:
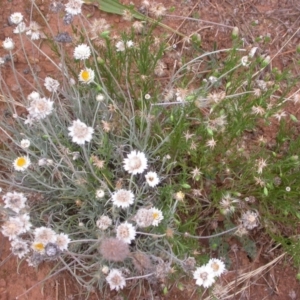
<point x="165" y="290"/>
<point x="293" y="118"/>
<point x="210" y="132"/>
<point x="115" y="7"/>
<point x="186" y="186"/>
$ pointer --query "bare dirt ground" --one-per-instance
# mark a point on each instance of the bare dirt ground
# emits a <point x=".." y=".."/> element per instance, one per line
<point x="276" y="19"/>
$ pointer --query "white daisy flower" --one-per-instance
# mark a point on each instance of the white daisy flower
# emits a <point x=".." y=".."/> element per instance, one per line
<point x="45" y="162"/>
<point x="115" y="280"/>
<point x="24" y="219"/>
<point x="15" y="201"/>
<point x="24" y="144"/>
<point x="100" y="193"/>
<point x="21" y="27"/>
<point x="157" y="216"/>
<point x="44" y="235"/>
<point x="33" y="30"/>
<point x="152" y="179"/>
<point x="129" y="44"/>
<point x="40" y="108"/>
<point x="12" y="228"/>
<point x="217" y="266"/>
<point x="62" y="241"/>
<point x="261" y="164"/>
<point x="126" y="232"/>
<point x="19" y="247"/>
<point x="147" y="97"/>
<point x="122" y="198"/>
<point x="211" y="143"/>
<point x="80" y="132"/>
<point x="143" y="217"/>
<point x="250" y="219"/>
<point x="179" y="196"/>
<point x="73" y="7"/>
<point x="86" y="76"/>
<point x="146" y="4"/>
<point x="104" y="222"/>
<point x="138" y="26"/>
<point x="120" y="46"/>
<point x="33" y="96"/>
<point x="227" y="204"/>
<point x="100" y="97"/>
<point x="21" y="163"/>
<point x="204" y="276"/>
<point x="82" y="52"/>
<point x="135" y="163"/>
<point x="8" y="44"/>
<point x="51" y="84"/>
<point x="105" y="270"/>
<point x="34" y="35"/>
<point x="157" y="10"/>
<point x="16" y="18"/>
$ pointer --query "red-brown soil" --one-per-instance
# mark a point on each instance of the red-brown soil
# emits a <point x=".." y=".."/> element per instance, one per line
<point x="277" y="18"/>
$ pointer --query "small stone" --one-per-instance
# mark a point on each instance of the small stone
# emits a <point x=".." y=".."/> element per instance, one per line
<point x="9" y="22"/>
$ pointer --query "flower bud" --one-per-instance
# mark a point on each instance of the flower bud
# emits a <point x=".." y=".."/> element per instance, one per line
<point x="235" y="32"/>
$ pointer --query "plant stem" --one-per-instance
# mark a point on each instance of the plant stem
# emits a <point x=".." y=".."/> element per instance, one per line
<point x="186" y="234"/>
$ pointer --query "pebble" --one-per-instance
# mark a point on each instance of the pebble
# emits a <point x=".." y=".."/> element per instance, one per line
<point x="9" y="22"/>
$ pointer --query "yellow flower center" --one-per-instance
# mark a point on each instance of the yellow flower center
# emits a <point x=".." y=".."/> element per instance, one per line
<point x="215" y="266"/>
<point x="85" y="75"/>
<point x="21" y="161"/>
<point x="179" y="196"/>
<point x="155" y="215"/>
<point x="39" y="247"/>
